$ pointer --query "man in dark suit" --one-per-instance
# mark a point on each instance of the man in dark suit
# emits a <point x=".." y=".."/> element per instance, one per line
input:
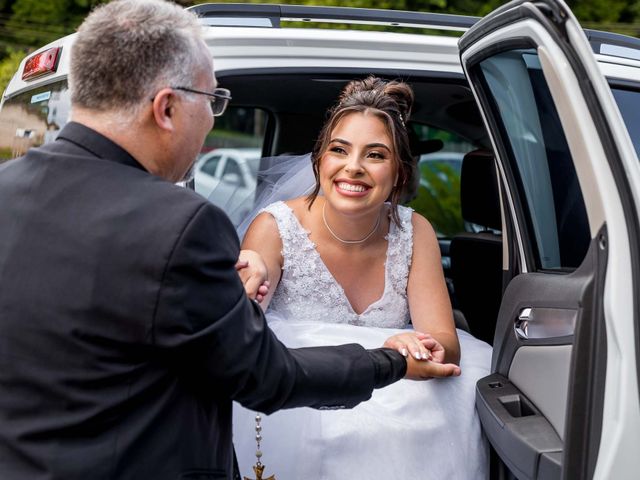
<point x="125" y="331"/>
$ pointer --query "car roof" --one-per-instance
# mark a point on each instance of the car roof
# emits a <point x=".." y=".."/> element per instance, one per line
<point x="273" y="48"/>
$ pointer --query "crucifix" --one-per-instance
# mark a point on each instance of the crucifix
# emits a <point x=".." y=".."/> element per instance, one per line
<point x="258" y="468"/>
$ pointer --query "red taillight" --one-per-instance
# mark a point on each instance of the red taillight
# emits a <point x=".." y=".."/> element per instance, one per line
<point x="42" y="63"/>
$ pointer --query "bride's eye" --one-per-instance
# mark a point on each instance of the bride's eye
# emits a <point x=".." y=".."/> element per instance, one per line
<point x="377" y="155"/>
<point x="337" y="149"/>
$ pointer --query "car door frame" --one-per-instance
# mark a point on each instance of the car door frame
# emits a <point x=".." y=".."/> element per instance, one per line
<point x="589" y="396"/>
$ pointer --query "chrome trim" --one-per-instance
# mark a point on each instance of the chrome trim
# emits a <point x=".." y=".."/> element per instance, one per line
<point x="545" y="323"/>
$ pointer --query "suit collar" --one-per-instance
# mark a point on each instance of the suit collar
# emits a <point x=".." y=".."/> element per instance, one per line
<point x="96" y="144"/>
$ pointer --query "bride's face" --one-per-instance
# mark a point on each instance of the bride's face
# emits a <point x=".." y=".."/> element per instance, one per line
<point x="358" y="169"/>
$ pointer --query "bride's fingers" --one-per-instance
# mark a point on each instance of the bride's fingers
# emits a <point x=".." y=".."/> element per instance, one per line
<point x="396" y="344"/>
<point x="418" y="351"/>
<point x="429" y="343"/>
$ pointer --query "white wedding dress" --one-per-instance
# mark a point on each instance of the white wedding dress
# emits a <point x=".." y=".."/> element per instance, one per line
<point x="408" y="430"/>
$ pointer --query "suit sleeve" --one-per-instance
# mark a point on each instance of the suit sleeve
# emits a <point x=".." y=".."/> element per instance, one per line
<point x="208" y="327"/>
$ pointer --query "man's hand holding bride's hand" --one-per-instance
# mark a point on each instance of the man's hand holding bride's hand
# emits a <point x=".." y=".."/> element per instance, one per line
<point x="426" y="369"/>
<point x="253" y="274"/>
<point x="424" y="355"/>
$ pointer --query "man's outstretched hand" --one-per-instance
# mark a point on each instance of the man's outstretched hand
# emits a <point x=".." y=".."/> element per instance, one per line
<point x="426" y="369"/>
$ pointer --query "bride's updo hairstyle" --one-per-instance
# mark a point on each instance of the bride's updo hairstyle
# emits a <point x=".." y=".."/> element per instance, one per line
<point x="390" y="101"/>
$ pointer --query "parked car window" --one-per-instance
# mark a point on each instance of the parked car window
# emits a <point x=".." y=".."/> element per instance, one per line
<point x="232" y="173"/>
<point x="539" y="156"/>
<point x="33" y="118"/>
<point x="211" y="165"/>
<point x="629" y="104"/>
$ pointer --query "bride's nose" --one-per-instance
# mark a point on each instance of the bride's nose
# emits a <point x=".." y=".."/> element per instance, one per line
<point x="354" y="165"/>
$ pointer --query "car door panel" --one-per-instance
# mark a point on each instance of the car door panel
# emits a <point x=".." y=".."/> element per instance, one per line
<point x="522" y="405"/>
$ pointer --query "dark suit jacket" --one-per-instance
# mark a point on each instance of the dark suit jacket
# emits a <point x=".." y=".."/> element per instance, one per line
<point x="125" y="331"/>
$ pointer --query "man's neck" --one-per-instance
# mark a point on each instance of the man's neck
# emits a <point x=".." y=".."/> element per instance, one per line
<point x="128" y="134"/>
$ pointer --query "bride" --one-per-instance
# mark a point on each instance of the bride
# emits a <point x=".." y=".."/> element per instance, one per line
<point x="352" y="265"/>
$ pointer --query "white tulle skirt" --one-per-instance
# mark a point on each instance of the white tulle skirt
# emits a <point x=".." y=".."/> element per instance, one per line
<point x="408" y="430"/>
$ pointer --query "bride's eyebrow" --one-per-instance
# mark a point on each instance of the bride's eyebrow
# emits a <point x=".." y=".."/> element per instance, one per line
<point x="349" y="144"/>
<point x="378" y="145"/>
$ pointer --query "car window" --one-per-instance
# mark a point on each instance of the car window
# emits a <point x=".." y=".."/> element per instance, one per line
<point x="211" y="165"/>
<point x="232" y="173"/>
<point x="539" y="157"/>
<point x="33" y="118"/>
<point x="239" y="127"/>
<point x="628" y="101"/>
<point x="438" y="192"/>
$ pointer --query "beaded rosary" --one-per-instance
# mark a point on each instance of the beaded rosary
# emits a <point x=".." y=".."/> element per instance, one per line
<point x="258" y="468"/>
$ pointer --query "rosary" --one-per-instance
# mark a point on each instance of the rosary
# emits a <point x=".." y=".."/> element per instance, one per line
<point x="258" y="468"/>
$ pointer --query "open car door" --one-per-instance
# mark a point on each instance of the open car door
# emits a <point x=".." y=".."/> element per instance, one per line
<point x="562" y="401"/>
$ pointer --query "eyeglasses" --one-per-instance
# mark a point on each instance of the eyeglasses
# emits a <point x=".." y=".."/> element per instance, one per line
<point x="219" y="98"/>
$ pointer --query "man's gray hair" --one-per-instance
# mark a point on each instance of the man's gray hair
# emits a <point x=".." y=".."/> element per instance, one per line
<point x="126" y="50"/>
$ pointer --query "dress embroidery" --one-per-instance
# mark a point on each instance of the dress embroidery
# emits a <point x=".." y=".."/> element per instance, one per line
<point x="308" y="290"/>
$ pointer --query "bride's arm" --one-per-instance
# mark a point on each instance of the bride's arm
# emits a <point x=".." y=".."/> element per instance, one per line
<point x="263" y="238"/>
<point x="429" y="303"/>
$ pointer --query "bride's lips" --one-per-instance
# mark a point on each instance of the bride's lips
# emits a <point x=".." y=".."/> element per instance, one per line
<point x="351" y="188"/>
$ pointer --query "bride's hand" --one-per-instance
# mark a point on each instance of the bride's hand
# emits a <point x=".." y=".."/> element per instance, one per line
<point x="412" y="344"/>
<point x="253" y="274"/>
<point x="435" y="347"/>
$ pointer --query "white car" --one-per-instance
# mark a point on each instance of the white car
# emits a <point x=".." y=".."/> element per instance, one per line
<point x="549" y="114"/>
<point x="227" y="177"/>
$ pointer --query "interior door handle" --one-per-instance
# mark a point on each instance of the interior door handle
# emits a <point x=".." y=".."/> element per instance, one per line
<point x="540" y="323"/>
<point x="522" y="323"/>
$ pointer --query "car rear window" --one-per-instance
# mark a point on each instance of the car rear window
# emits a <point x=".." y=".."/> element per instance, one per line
<point x="33" y="118"/>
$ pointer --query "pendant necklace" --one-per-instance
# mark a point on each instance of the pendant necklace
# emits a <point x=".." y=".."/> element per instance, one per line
<point x="350" y="242"/>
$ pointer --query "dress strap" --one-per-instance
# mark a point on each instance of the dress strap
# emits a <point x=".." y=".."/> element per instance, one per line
<point x="400" y="250"/>
<point x="295" y="239"/>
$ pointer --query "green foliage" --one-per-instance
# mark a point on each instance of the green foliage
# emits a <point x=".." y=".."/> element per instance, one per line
<point x="438" y="198"/>
<point x="34" y="23"/>
<point x="8" y="66"/>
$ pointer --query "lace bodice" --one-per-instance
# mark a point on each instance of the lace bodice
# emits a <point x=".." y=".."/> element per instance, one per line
<point x="308" y="290"/>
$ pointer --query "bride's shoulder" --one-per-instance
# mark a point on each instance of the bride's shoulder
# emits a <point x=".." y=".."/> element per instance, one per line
<point x="422" y="228"/>
<point x="296" y="203"/>
<point x="263" y="226"/>
<point x="298" y="206"/>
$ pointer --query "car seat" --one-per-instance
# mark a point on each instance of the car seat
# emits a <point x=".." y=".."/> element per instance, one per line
<point x="476" y="256"/>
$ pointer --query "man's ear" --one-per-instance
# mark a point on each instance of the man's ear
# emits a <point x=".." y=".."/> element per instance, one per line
<point x="164" y="108"/>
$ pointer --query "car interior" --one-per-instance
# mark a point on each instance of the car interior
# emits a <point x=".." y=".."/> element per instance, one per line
<point x="294" y="106"/>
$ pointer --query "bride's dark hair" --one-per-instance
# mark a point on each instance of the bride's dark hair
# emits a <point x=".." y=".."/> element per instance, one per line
<point x="391" y="101"/>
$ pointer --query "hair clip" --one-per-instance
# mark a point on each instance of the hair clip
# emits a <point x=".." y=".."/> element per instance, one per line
<point x="401" y="119"/>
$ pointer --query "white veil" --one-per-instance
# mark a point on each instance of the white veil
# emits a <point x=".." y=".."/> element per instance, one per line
<point x="279" y="178"/>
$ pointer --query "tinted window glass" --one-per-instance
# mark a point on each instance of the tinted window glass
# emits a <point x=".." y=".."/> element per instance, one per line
<point x="437" y="197"/>
<point x="629" y="104"/>
<point x="539" y="156"/>
<point x="232" y="173"/>
<point x="238" y="128"/>
<point x="211" y="165"/>
<point x="239" y="136"/>
<point x="33" y="118"/>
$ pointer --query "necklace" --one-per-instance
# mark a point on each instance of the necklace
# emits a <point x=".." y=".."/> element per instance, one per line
<point x="362" y="240"/>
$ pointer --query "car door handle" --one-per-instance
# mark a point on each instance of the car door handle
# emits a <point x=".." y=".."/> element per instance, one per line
<point x="541" y="322"/>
